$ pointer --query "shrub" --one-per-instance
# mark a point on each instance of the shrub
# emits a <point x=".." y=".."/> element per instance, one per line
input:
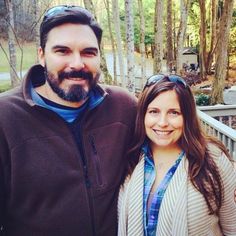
<point x="202" y="99"/>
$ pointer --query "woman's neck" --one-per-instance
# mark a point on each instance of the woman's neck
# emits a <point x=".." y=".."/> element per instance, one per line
<point x="166" y="154"/>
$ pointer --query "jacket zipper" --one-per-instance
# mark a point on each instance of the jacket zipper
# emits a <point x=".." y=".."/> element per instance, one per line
<point x="84" y="162"/>
<point x="96" y="159"/>
<point x="86" y="176"/>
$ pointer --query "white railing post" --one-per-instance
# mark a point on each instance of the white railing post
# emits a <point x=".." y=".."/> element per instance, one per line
<point x="223" y="132"/>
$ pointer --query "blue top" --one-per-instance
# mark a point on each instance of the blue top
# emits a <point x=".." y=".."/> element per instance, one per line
<point x="150" y="213"/>
<point x="69" y="114"/>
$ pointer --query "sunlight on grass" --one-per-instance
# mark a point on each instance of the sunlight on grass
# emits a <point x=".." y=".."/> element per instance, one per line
<point x="4" y="85"/>
<point x="29" y="56"/>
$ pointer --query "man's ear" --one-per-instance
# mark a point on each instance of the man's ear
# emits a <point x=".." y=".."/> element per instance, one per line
<point x="41" y="56"/>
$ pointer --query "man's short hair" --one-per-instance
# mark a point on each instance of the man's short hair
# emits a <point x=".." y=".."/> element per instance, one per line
<point x="62" y="14"/>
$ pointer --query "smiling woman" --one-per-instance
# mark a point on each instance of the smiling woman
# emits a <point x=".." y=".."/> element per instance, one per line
<point x="164" y="121"/>
<point x="182" y="175"/>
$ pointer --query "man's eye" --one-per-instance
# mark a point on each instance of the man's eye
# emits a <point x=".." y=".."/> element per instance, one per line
<point x="61" y="51"/>
<point x="90" y="53"/>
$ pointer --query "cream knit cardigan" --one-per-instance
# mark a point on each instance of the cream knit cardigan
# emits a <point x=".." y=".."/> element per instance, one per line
<point x="183" y="210"/>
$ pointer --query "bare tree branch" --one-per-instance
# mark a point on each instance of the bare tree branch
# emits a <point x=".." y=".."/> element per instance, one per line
<point x="8" y="59"/>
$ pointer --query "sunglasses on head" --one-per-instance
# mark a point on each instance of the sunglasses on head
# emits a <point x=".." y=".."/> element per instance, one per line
<point x="64" y="8"/>
<point x="173" y="78"/>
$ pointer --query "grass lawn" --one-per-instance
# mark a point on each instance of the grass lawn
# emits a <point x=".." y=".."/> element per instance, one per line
<point x="29" y="56"/>
<point x="5" y="85"/>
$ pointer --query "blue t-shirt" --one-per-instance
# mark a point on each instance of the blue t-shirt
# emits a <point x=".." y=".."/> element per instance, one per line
<point x="69" y="114"/>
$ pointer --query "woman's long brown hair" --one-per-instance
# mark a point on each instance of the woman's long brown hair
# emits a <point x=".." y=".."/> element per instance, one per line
<point x="202" y="170"/>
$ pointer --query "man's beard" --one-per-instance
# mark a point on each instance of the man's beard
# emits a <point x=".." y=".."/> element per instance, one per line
<point x="76" y="92"/>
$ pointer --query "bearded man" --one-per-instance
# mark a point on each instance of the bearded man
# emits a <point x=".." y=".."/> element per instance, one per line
<point x="63" y="137"/>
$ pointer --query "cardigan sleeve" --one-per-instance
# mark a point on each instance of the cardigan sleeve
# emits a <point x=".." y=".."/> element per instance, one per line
<point x="227" y="213"/>
<point x="122" y="208"/>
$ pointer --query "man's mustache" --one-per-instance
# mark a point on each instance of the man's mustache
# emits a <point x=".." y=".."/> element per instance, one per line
<point x="75" y="74"/>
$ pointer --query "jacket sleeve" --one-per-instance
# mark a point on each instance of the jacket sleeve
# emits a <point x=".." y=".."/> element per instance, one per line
<point x="1" y="202"/>
<point x="3" y="156"/>
<point x="227" y="212"/>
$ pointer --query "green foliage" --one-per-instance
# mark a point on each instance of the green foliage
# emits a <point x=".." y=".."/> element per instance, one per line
<point x="194" y="24"/>
<point x="202" y="99"/>
<point x="149" y="11"/>
<point x="233" y="39"/>
<point x="149" y="39"/>
<point x="149" y="8"/>
<point x="233" y="33"/>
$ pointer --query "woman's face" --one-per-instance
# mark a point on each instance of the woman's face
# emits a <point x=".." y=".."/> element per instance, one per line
<point x="164" y="121"/>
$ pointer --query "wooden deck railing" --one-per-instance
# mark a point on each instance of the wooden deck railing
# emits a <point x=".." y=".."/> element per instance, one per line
<point x="224" y="113"/>
<point x="216" y="128"/>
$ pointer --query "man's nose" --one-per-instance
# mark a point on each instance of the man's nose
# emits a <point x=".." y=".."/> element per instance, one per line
<point x="76" y="62"/>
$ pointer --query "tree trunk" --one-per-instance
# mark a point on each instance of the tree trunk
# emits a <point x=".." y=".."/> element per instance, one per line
<point x="174" y="36"/>
<point x="130" y="45"/>
<point x="12" y="44"/>
<point x="88" y="4"/>
<point x="222" y="53"/>
<point x="107" y="77"/>
<point x="202" y="49"/>
<point x="35" y="26"/>
<point x="169" y="33"/>
<point x="184" y="7"/>
<point x="142" y="42"/>
<point x="158" y="30"/>
<point x="106" y="74"/>
<point x="107" y="6"/>
<point x="116" y="21"/>
<point x="213" y="36"/>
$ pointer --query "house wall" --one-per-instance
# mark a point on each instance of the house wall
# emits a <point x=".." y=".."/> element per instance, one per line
<point x="189" y="59"/>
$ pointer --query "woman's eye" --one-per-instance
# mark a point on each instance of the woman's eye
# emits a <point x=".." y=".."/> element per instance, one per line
<point x="152" y="111"/>
<point x="174" y="113"/>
